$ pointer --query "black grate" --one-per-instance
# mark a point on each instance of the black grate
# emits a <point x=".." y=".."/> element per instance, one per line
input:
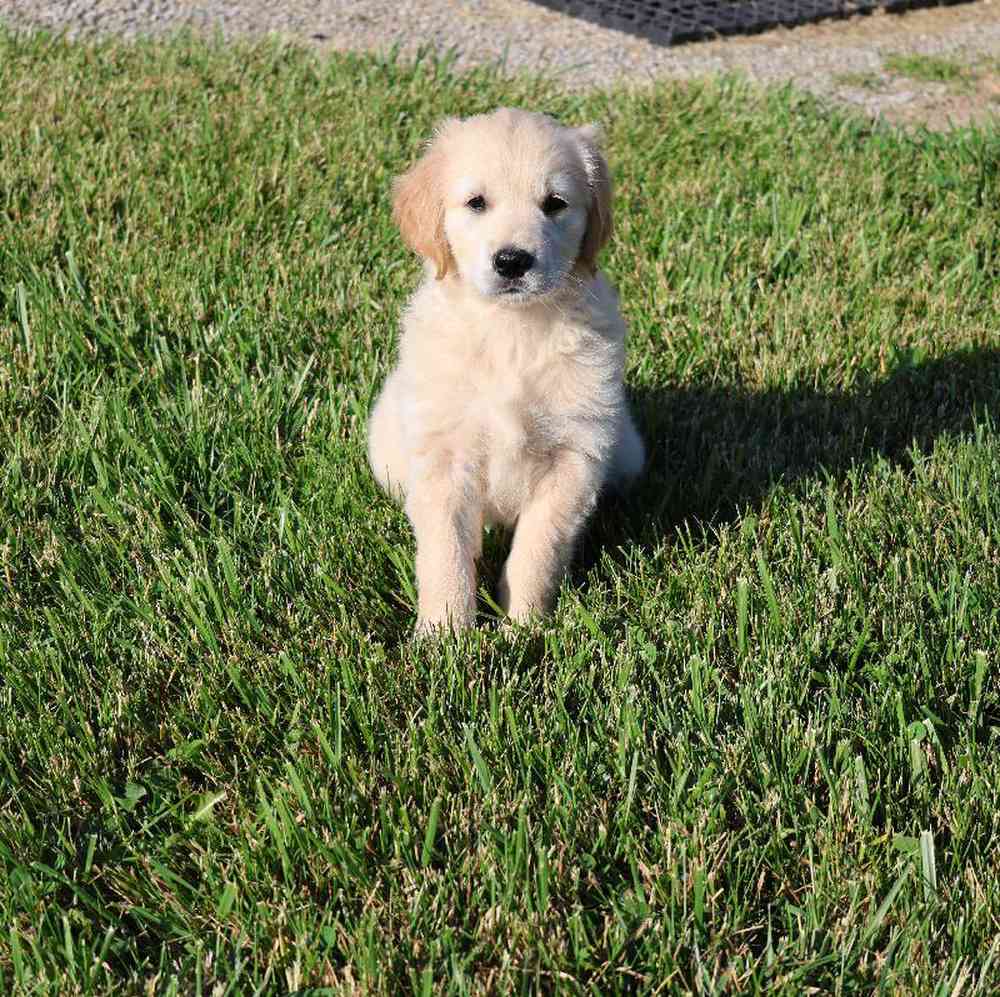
<point x="668" y="21"/>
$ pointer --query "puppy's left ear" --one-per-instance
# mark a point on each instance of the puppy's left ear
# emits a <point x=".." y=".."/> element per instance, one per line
<point x="599" y="220"/>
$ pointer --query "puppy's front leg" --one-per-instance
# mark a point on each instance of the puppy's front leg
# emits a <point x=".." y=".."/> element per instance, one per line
<point x="546" y="535"/>
<point x="447" y="517"/>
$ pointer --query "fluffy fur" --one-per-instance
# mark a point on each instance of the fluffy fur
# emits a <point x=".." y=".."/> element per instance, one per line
<point x="507" y="404"/>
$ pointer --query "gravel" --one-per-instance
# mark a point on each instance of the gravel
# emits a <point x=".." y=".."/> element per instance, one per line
<point x="828" y="58"/>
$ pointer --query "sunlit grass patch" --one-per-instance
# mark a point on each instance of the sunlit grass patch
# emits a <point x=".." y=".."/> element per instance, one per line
<point x="756" y="745"/>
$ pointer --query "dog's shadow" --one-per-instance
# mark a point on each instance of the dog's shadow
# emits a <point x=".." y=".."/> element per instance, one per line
<point x="715" y="453"/>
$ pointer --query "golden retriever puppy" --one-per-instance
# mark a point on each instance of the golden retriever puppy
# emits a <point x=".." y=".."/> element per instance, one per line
<point x="506" y="404"/>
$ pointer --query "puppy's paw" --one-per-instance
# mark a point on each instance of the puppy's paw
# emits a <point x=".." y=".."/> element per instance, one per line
<point x="438" y="624"/>
<point x="518" y="611"/>
<point x="518" y="607"/>
<point x="525" y="616"/>
<point x="428" y="629"/>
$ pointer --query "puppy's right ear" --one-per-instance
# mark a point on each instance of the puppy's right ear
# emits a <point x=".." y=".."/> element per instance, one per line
<point x="418" y="208"/>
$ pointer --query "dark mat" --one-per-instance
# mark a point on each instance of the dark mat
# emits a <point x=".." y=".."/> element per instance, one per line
<point x="670" y="21"/>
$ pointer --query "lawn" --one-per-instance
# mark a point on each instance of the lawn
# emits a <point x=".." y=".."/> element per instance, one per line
<point x="756" y="746"/>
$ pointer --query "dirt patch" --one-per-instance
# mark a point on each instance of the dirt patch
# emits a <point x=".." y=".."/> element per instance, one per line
<point x="933" y="106"/>
<point x="935" y="93"/>
<point x="843" y="60"/>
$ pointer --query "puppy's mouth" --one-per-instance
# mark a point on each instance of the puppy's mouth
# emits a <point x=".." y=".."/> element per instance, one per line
<point x="519" y="289"/>
<point x="522" y="289"/>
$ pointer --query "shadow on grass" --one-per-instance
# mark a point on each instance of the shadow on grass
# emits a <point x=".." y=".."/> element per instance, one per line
<point x="715" y="453"/>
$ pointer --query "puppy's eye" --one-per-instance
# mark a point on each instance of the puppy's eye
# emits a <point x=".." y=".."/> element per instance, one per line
<point x="477" y="203"/>
<point x="553" y="204"/>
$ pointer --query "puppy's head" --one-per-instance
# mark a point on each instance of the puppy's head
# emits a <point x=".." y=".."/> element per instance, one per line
<point x="512" y="202"/>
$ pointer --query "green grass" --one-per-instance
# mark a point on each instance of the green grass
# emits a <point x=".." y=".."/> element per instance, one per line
<point x="756" y="746"/>
<point x="929" y="68"/>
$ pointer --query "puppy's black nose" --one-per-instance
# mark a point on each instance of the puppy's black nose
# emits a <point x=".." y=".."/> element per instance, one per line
<point x="512" y="262"/>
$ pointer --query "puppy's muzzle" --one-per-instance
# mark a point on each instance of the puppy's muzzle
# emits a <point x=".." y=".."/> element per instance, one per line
<point x="512" y="263"/>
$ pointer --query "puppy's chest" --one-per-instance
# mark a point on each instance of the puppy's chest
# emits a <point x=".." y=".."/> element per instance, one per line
<point x="526" y="407"/>
<point x="527" y="402"/>
<point x="518" y="435"/>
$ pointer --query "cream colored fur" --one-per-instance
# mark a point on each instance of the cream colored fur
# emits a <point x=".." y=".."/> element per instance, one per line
<point x="507" y="404"/>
